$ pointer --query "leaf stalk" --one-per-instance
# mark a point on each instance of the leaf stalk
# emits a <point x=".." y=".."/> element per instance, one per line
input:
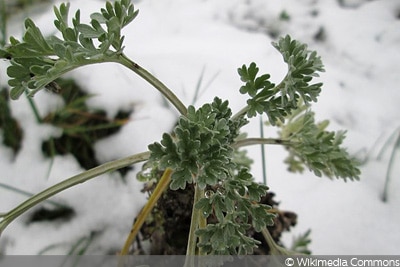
<point x="70" y="182"/>
<point x="151" y="79"/>
<point x="262" y="141"/>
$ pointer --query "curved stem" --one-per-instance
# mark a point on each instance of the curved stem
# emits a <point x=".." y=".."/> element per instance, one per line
<point x="27" y="194"/>
<point x="160" y="188"/>
<point x="390" y="168"/>
<point x="74" y="180"/>
<point x="124" y="60"/>
<point x="274" y="248"/>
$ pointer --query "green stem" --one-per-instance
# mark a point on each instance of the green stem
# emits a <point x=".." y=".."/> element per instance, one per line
<point x="84" y="129"/>
<point x="273" y="247"/>
<point x="34" y="109"/>
<point x="70" y="67"/>
<point x="244" y="110"/>
<point x="194" y="224"/>
<point x="241" y="113"/>
<point x="387" y="143"/>
<point x="74" y="180"/>
<point x="260" y="141"/>
<point x="389" y="168"/>
<point x="3" y="23"/>
<point x="264" y="168"/>
<point x="27" y="194"/>
<point x="124" y="60"/>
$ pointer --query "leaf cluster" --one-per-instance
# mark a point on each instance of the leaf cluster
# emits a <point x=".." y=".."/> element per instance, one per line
<point x="36" y="61"/>
<point x="235" y="205"/>
<point x="199" y="150"/>
<point x="278" y="101"/>
<point x="316" y="148"/>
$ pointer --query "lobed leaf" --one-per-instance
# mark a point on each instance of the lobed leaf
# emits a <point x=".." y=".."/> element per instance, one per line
<point x="75" y="49"/>
<point x="280" y="100"/>
<point x="88" y="32"/>
<point x="201" y="144"/>
<point x="317" y="149"/>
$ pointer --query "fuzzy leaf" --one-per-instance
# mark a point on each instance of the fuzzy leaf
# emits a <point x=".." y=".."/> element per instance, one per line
<point x="279" y="101"/>
<point x="317" y="149"/>
<point x="76" y="48"/>
<point x="205" y="206"/>
<point x="88" y="32"/>
<point x="179" y="179"/>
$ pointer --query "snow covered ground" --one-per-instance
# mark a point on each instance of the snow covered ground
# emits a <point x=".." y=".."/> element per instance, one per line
<point x="175" y="39"/>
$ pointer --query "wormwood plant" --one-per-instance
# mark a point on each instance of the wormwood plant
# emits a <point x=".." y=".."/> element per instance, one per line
<point x="201" y="149"/>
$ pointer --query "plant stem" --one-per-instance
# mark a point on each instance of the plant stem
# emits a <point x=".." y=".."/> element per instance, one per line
<point x="3" y="23"/>
<point x="258" y="141"/>
<point x="160" y="188"/>
<point x="74" y="180"/>
<point x="124" y="60"/>
<point x="390" y="167"/>
<point x="195" y="221"/>
<point x="34" y="109"/>
<point x="387" y="143"/>
<point x="241" y="113"/>
<point x="273" y="247"/>
<point x="264" y="169"/>
<point x="25" y="193"/>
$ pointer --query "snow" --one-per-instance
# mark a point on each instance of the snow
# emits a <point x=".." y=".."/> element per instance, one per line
<point x="176" y="40"/>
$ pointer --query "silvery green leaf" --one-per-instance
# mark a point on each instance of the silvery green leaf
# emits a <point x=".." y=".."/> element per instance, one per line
<point x="98" y="17"/>
<point x="88" y="32"/>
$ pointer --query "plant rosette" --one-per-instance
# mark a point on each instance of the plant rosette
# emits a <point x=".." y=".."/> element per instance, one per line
<point x="202" y="150"/>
